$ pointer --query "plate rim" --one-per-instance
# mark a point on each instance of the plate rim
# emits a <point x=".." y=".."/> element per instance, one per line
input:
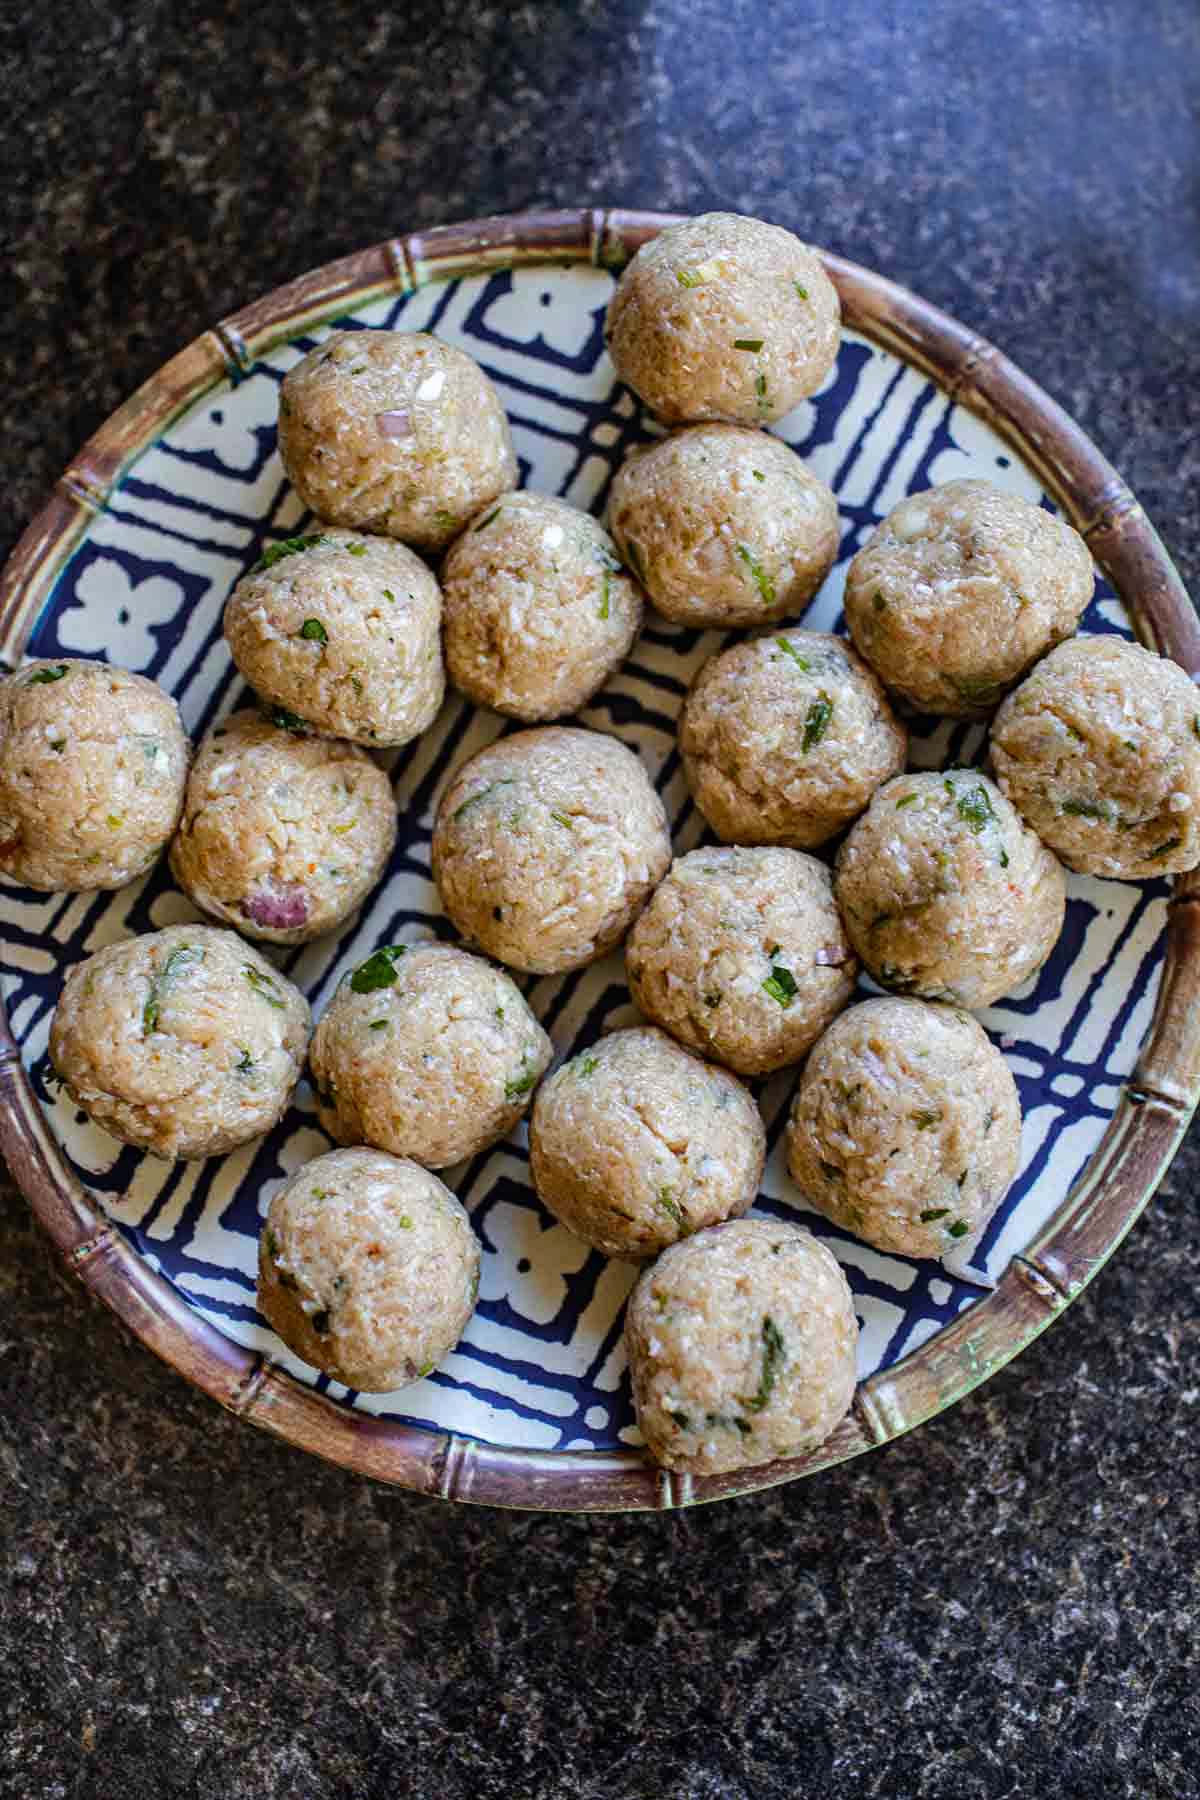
<point x="1090" y="1221"/>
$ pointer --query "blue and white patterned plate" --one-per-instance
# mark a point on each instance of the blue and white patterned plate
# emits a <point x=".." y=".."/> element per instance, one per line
<point x="541" y="1364"/>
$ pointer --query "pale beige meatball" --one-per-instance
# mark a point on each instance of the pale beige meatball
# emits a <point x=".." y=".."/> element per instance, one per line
<point x="341" y="634"/>
<point x="185" y="1042"/>
<point x="724" y="317"/>
<point x="945" y="893"/>
<point x="394" y="432"/>
<point x="742" y="956"/>
<point x="367" y="1268"/>
<point x="538" y="611"/>
<point x="959" y="592"/>
<point x="724" y="526"/>
<point x="546" y="846"/>
<point x="93" y="762"/>
<point x="281" y="836"/>
<point x="428" y="1052"/>
<point x="906" y="1127"/>
<point x="785" y="738"/>
<point x="636" y="1143"/>
<point x="742" y="1345"/>
<point x="1099" y="750"/>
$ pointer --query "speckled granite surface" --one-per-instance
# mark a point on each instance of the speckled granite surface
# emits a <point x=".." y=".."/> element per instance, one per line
<point x="1005" y="1604"/>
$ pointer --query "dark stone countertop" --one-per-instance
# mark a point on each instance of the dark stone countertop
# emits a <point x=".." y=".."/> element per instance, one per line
<point x="1003" y="1604"/>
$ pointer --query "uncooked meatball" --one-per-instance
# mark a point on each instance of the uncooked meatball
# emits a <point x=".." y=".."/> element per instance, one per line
<point x="724" y="526"/>
<point x="741" y="955"/>
<point x="945" y="893"/>
<point x="93" y="762"/>
<point x="1099" y="750"/>
<point x="538" y="611"/>
<point x="785" y="739"/>
<point x="281" y="836"/>
<point x="906" y="1126"/>
<point x="427" y="1052"/>
<point x="547" y="844"/>
<point x="341" y="634"/>
<point x="742" y="1345"/>
<point x="185" y="1042"/>
<point x="395" y="432"/>
<point x="636" y="1142"/>
<point x="959" y="592"/>
<point x="724" y="317"/>
<point x="367" y="1268"/>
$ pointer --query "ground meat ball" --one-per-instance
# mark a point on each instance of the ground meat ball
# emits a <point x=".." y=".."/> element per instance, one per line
<point x="742" y="1345"/>
<point x="282" y="836"/>
<point x="785" y="739"/>
<point x="538" y="609"/>
<point x="944" y="891"/>
<point x="395" y="432"/>
<point x="724" y="526"/>
<point x="185" y="1042"/>
<point x="724" y="317"/>
<point x="960" y="590"/>
<point x="546" y="846"/>
<point x="367" y="1268"/>
<point x="93" y="762"/>
<point x="341" y="634"/>
<point x="1099" y="749"/>
<point x="741" y="955"/>
<point x="427" y="1052"/>
<point x="906" y="1127"/>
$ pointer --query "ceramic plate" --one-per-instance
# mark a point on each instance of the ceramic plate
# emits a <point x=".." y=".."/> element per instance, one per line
<point x="149" y="530"/>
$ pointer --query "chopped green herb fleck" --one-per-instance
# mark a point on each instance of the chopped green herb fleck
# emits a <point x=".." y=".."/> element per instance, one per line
<point x="404" y="1222"/>
<point x="185" y="957"/>
<point x="974" y="806"/>
<point x="774" y="1356"/>
<point x="934" y="1212"/>
<point x="780" y="984"/>
<point x="754" y="344"/>
<point x="989" y="1120"/>
<point x="1084" y="809"/>
<point x="287" y="547"/>
<point x="605" y="584"/>
<point x="445" y="521"/>
<point x="801" y="662"/>
<point x="959" y="1228"/>
<point x="263" y="986"/>
<point x="43" y="677"/>
<point x="499" y="1012"/>
<point x="388" y="595"/>
<point x="379" y="970"/>
<point x="1163" y="849"/>
<point x="668" y="1204"/>
<point x="484" y="523"/>
<point x="817" y="722"/>
<point x="563" y="819"/>
<point x="58" y="745"/>
<point x="287" y="721"/>
<point x="314" y="632"/>
<point x="760" y="388"/>
<point x="800" y="289"/>
<point x="689" y="278"/>
<point x="380" y="1024"/>
<point x="762" y="581"/>
<point x="758" y="475"/>
<point x="521" y="1082"/>
<point x="482" y="793"/>
<point x="115" y="821"/>
<point x="356" y="549"/>
<point x="425" y="1369"/>
<point x="923" y="1120"/>
<point x="905" y="800"/>
<point x="586" y="1065"/>
<point x="245" y="1061"/>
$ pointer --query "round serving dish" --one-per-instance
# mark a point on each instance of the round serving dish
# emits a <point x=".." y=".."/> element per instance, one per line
<point x="131" y="559"/>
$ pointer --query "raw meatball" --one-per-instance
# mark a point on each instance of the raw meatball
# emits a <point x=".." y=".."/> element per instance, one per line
<point x="742" y="1344"/>
<point x="724" y="317"/>
<point x="785" y="739"/>
<point x="367" y="1268"/>
<point x="538" y="609"/>
<point x="724" y="526"/>
<point x="342" y="634"/>
<point x="185" y="1042"/>
<point x="427" y="1052"/>
<point x="282" y="836"/>
<point x="944" y="891"/>
<point x="959" y="592"/>
<point x="93" y="762"/>
<point x="395" y="432"/>
<point x="906" y="1127"/>
<point x="741" y="955"/>
<point x="1099" y="749"/>
<point x="547" y="844"/>
<point x="636" y="1143"/>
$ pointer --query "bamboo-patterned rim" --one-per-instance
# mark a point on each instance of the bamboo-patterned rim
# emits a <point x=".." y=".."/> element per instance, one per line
<point x="1086" y="1228"/>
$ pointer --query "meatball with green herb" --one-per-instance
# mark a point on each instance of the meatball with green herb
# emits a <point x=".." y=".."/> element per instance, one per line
<point x="185" y="1042"/>
<point x="428" y="1052"/>
<point x="394" y="432"/>
<point x="367" y="1268"/>
<point x="636" y="1143"/>
<point x="93" y="762"/>
<point x="945" y="893"/>
<point x="906" y="1126"/>
<point x="960" y="591"/>
<point x="341" y="634"/>
<point x="742" y="956"/>
<point x="742" y="1346"/>
<point x="281" y="836"/>
<point x="724" y="526"/>
<point x="538" y="610"/>
<point x="1099" y="751"/>
<point x="785" y="738"/>
<point x="724" y="317"/>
